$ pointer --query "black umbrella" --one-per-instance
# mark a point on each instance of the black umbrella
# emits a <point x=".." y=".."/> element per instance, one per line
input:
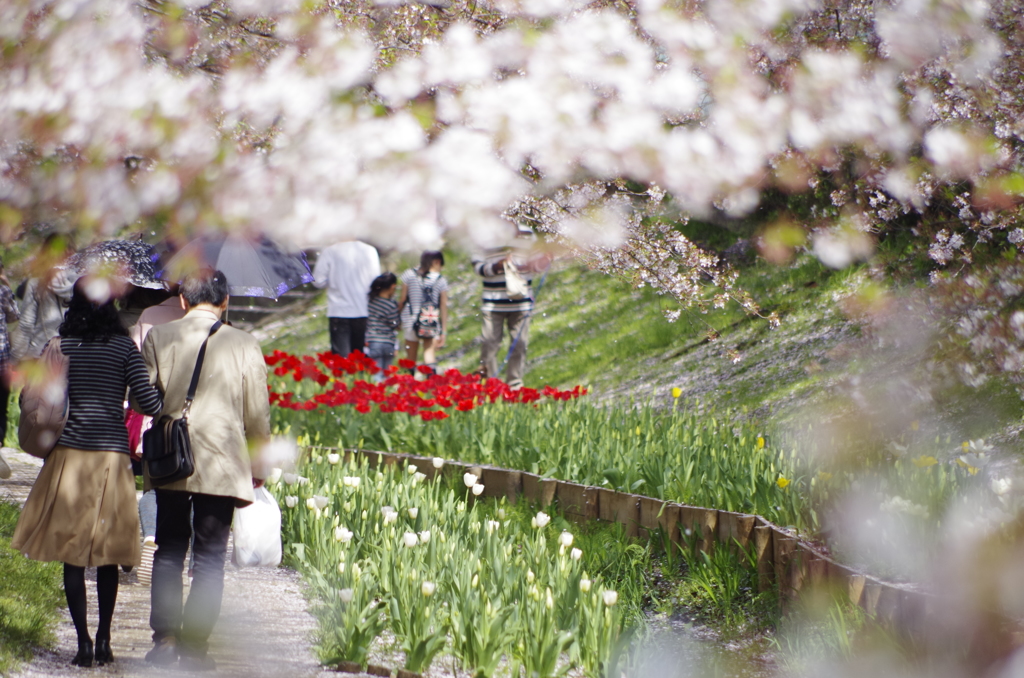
<point x="255" y="266"/>
<point x="132" y="261"/>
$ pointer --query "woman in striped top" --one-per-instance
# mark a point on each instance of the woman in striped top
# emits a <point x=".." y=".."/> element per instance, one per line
<point x="82" y="509"/>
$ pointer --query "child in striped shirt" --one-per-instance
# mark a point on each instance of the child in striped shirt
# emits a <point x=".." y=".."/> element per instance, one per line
<point x="382" y="320"/>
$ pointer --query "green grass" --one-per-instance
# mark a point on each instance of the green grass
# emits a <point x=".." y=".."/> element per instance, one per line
<point x="30" y="598"/>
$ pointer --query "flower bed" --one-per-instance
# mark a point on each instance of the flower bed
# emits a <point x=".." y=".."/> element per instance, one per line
<point x="391" y="549"/>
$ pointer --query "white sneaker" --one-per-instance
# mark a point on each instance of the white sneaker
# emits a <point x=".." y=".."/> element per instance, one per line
<point x="5" y="470"/>
<point x="146" y="568"/>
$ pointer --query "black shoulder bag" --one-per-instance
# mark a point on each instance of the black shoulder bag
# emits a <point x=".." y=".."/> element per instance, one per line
<point x="166" y="447"/>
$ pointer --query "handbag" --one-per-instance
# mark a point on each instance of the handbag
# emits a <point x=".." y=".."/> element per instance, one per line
<point x="166" y="447"/>
<point x="428" y="320"/>
<point x="515" y="284"/>
<point x="44" y="401"/>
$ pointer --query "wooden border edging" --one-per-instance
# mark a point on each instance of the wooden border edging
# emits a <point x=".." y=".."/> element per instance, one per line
<point x="782" y="558"/>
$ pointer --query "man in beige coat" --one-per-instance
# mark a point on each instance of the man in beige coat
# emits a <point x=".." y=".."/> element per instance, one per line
<point x="228" y="421"/>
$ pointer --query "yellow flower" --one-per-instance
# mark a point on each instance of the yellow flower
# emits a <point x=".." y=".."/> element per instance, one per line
<point x="782" y="482"/>
<point x="925" y="461"/>
<point x="824" y="475"/>
<point x="676" y="391"/>
<point x="760" y="443"/>
<point x="962" y="464"/>
<point x="638" y="430"/>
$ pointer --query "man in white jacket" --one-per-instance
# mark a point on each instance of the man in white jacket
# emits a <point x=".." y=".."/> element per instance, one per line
<point x="346" y="270"/>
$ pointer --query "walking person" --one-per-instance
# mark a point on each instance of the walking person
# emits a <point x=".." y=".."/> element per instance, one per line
<point x="346" y="269"/>
<point x="229" y="416"/>
<point x="82" y="509"/>
<point x="501" y="308"/>
<point x="382" y="321"/>
<point x="46" y="297"/>
<point x="422" y="286"/>
<point x="8" y="314"/>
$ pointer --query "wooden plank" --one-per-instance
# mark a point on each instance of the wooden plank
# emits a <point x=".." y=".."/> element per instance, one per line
<point x="669" y="521"/>
<point x="887" y="607"/>
<point x="605" y="504"/>
<point x="650" y="512"/>
<point x="547" y="491"/>
<point x="627" y="512"/>
<point x="577" y="499"/>
<point x="785" y="547"/>
<point x="764" y="551"/>
<point x="872" y="592"/>
<point x="531" y="486"/>
<point x="499" y="482"/>
<point x="817" y="571"/>
<point x="735" y="529"/>
<point x="855" y="588"/>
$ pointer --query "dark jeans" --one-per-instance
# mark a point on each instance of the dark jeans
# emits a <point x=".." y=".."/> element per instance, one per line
<point x="5" y="396"/>
<point x="347" y="335"/>
<point x="382" y="352"/>
<point x="211" y="519"/>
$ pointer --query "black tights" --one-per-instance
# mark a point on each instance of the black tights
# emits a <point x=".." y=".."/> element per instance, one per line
<point x="106" y="591"/>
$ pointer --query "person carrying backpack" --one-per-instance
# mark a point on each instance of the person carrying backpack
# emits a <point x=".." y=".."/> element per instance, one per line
<point x="423" y="306"/>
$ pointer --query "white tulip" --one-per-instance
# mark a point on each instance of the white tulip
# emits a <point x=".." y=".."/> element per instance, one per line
<point x="576" y="554"/>
<point x="470" y="479"/>
<point x="351" y="481"/>
<point x="320" y="502"/>
<point x="438" y="462"/>
<point x="343" y="535"/>
<point x="311" y="503"/>
<point x="530" y="576"/>
<point x="390" y="514"/>
<point x="341" y="568"/>
<point x="356" y="570"/>
<point x="540" y="520"/>
<point x="610" y="597"/>
<point x="412" y="468"/>
<point x="291" y="502"/>
<point x="419" y="477"/>
<point x="501" y="514"/>
<point x="565" y="539"/>
<point x="346" y="595"/>
<point x="1001" y="486"/>
<point x="478" y="489"/>
<point x="492" y="525"/>
<point x="585" y="585"/>
<point x="549" y="601"/>
<point x="427" y="588"/>
<point x="413" y="512"/>
<point x="410" y="539"/>
<point x="303" y="481"/>
<point x="364" y="514"/>
<point x="424" y="536"/>
<point x="289" y="478"/>
<point x="333" y="458"/>
<point x="275" y="475"/>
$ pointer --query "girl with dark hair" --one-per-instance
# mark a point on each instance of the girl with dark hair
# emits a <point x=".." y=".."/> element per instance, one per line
<point x="382" y="320"/>
<point x="421" y="286"/>
<point x="82" y="509"/>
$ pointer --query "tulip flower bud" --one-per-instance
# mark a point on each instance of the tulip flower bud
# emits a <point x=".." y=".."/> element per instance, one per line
<point x="424" y="536"/>
<point x="478" y="489"/>
<point x="341" y="568"/>
<point x="492" y="525"/>
<point x="470" y="479"/>
<point x="413" y="512"/>
<point x="427" y="588"/>
<point x="438" y="462"/>
<point x="575" y="554"/>
<point x="289" y="478"/>
<point x="275" y="475"/>
<point x="501" y="514"/>
<point x="610" y="597"/>
<point x="530" y="576"/>
<point x="364" y="514"/>
<point x="346" y="595"/>
<point x="549" y="601"/>
<point x="475" y="581"/>
<point x="311" y="503"/>
<point x="419" y="477"/>
<point x="540" y="520"/>
<point x="356" y="570"/>
<point x="585" y="585"/>
<point x="412" y="468"/>
<point x="303" y="481"/>
<point x="291" y="502"/>
<point x="320" y="502"/>
<point x="565" y="539"/>
<point x="333" y="458"/>
<point x="410" y="539"/>
<point x="343" y="535"/>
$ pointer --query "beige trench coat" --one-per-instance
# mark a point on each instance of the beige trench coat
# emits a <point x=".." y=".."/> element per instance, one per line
<point x="230" y="416"/>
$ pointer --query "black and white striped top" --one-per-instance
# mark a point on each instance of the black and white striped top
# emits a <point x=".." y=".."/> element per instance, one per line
<point x="99" y="373"/>
<point x="382" y="320"/>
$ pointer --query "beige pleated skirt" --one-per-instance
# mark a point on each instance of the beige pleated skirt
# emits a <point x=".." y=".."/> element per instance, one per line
<point x="82" y="510"/>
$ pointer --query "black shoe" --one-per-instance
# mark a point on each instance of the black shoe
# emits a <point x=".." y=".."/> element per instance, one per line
<point x="85" y="655"/>
<point x="103" y="653"/>
<point x="195" y="664"/>
<point x="164" y="652"/>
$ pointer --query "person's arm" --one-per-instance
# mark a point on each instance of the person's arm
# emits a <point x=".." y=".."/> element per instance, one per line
<point x="402" y="298"/>
<point x="322" y="269"/>
<point x="439" y="342"/>
<point x="7" y="302"/>
<point x="256" y="409"/>
<point x="143" y="396"/>
<point x="29" y="309"/>
<point x="487" y="269"/>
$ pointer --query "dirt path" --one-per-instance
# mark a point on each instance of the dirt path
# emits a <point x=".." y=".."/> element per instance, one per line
<point x="263" y="630"/>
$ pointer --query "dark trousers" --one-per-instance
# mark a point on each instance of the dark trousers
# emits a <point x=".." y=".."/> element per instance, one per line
<point x="347" y="335"/>
<point x="5" y="396"/>
<point x="211" y="520"/>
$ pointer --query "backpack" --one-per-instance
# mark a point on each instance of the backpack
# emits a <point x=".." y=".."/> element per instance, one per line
<point x="428" y="320"/>
<point x="44" y="401"/>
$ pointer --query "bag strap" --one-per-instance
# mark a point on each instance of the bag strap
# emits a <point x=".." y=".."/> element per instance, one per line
<point x="428" y="292"/>
<point x="194" y="384"/>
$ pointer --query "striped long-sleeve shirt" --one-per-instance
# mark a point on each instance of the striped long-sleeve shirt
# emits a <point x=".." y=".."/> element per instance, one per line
<point x="99" y="373"/>
<point x="382" y="321"/>
<point x="495" y="294"/>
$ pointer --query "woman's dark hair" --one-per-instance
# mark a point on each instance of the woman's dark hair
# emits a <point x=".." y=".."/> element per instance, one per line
<point x="381" y="283"/>
<point x="90" y="321"/>
<point x="427" y="260"/>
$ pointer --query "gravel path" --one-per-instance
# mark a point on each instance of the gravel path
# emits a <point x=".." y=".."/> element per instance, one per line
<point x="263" y="630"/>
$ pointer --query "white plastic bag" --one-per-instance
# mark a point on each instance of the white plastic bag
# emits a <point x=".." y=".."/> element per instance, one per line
<point x="257" y="532"/>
